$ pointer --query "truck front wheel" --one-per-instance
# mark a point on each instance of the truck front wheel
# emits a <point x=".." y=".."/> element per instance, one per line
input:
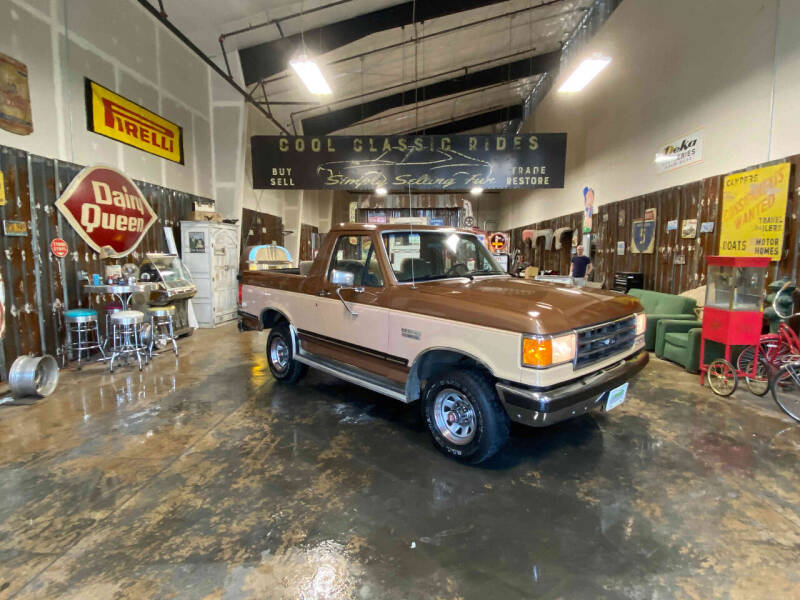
<point x="280" y="358"/>
<point x="464" y="415"/>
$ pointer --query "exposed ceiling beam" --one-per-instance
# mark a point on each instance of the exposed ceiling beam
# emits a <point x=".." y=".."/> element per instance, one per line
<point x="339" y="119"/>
<point x="492" y="117"/>
<point x="182" y="37"/>
<point x="429" y="36"/>
<point x="264" y="60"/>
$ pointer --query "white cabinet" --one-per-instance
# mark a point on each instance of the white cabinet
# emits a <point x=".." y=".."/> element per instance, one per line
<point x="211" y="251"/>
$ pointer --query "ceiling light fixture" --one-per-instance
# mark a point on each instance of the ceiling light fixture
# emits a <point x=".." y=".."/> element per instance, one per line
<point x="585" y="72"/>
<point x="381" y="191"/>
<point x="312" y="77"/>
<point x="476" y="191"/>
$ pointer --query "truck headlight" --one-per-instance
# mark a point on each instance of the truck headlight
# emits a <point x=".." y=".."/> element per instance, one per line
<point x="641" y="323"/>
<point x="546" y="351"/>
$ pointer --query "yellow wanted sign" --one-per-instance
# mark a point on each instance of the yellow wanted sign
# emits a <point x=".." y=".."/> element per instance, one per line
<point x="754" y="211"/>
<point x="118" y="118"/>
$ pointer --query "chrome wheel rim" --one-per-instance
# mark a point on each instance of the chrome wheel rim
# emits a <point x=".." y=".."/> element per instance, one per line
<point x="455" y="416"/>
<point x="279" y="354"/>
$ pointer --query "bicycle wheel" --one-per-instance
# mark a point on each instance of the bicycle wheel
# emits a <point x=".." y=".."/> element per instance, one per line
<point x="785" y="388"/>
<point x="722" y="377"/>
<point x="758" y="385"/>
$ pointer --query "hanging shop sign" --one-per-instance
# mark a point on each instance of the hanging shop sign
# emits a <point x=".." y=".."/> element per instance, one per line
<point x="15" y="97"/>
<point x="684" y="151"/>
<point x="107" y="210"/>
<point x="400" y="163"/>
<point x="754" y="211"/>
<point x="59" y="247"/>
<point x="118" y="118"/>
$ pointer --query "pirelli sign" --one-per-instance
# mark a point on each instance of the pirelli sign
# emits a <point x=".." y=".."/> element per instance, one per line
<point x="118" y="118"/>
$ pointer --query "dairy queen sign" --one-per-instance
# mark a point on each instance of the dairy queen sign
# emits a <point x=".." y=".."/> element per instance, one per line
<point x="108" y="211"/>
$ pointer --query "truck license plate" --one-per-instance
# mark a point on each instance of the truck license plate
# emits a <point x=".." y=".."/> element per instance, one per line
<point x="616" y="396"/>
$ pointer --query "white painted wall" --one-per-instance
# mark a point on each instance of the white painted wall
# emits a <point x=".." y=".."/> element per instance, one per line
<point x="677" y="66"/>
<point x="120" y="45"/>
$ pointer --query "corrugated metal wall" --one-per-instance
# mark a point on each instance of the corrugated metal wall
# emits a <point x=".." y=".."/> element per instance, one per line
<point x="37" y="284"/>
<point x="698" y="200"/>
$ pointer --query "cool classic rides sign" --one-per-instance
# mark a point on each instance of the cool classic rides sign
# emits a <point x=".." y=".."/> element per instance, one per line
<point x="424" y="162"/>
<point x="107" y="210"/>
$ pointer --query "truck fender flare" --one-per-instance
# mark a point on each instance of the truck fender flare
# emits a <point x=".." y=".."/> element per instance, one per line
<point x="453" y="355"/>
<point x="269" y="316"/>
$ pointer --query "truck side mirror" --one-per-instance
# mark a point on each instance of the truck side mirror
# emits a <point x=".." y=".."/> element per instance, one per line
<point x="342" y="278"/>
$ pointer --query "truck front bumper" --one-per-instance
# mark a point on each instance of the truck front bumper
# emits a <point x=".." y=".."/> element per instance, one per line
<point x="540" y="407"/>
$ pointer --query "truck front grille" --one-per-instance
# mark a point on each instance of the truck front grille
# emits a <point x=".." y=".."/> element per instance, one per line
<point x="601" y="341"/>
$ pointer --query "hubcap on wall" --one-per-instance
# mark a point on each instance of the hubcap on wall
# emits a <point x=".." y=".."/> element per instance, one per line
<point x="454" y="416"/>
<point x="279" y="354"/>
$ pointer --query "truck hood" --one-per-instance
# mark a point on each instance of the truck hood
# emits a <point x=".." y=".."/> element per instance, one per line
<point x="515" y="304"/>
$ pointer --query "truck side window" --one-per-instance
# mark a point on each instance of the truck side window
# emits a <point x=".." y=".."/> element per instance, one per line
<point x="356" y="254"/>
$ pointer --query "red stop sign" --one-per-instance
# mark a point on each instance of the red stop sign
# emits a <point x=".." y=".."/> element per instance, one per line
<point x="107" y="210"/>
<point x="59" y="247"/>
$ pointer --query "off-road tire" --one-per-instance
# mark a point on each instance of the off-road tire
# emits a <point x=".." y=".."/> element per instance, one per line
<point x="491" y="422"/>
<point x="280" y="337"/>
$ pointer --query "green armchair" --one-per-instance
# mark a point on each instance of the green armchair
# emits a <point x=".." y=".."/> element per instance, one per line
<point x="678" y="340"/>
<point x="658" y="306"/>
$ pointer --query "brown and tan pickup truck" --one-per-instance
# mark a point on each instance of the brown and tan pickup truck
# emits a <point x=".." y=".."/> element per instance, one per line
<point x="425" y="313"/>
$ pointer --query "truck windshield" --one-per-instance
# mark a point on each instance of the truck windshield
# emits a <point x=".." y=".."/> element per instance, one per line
<point x="426" y="255"/>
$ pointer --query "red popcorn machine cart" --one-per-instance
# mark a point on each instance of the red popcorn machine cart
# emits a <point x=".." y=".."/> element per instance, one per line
<point x="732" y="315"/>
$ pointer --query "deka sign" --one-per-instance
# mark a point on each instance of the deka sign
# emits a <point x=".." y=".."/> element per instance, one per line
<point x="108" y="211"/>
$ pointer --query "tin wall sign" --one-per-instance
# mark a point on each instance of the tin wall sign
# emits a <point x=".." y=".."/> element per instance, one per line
<point x="15" y="228"/>
<point x="15" y="97"/>
<point x="497" y="242"/>
<point x="116" y="117"/>
<point x="108" y="211"/>
<point x="59" y="247"/>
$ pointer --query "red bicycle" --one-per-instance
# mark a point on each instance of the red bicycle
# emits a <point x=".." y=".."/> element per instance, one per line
<point x="773" y="350"/>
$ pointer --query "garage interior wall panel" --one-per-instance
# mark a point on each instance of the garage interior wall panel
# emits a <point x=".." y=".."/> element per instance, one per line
<point x="612" y="223"/>
<point x="122" y="47"/>
<point x="38" y="287"/>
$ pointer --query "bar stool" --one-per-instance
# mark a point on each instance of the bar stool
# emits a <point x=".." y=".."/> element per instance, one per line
<point x="110" y="309"/>
<point x="83" y="334"/>
<point x="161" y="327"/>
<point x="126" y="333"/>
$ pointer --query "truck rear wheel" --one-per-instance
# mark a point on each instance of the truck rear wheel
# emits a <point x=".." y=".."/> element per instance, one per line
<point x="464" y="415"/>
<point x="280" y="358"/>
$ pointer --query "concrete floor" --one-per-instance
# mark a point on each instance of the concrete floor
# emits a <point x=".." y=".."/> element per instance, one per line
<point x="202" y="478"/>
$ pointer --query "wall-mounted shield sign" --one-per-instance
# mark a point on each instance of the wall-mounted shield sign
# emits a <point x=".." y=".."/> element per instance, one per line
<point x="107" y="210"/>
<point x="644" y="236"/>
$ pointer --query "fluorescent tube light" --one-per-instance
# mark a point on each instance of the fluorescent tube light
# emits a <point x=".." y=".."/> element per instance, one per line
<point x="585" y="72"/>
<point x="476" y="191"/>
<point x="309" y="73"/>
<point x="381" y="191"/>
